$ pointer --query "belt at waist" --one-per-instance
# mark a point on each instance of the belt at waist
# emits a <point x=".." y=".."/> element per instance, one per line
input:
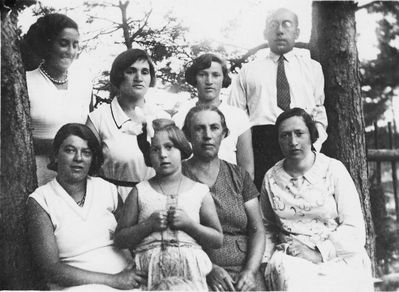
<point x="121" y="183"/>
<point x="165" y="243"/>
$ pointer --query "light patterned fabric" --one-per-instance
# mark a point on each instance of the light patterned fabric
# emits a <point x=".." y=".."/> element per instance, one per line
<point x="51" y="108"/>
<point x="322" y="210"/>
<point x="84" y="235"/>
<point x="237" y="122"/>
<point x="123" y="159"/>
<point x="172" y="253"/>
<point x="254" y="89"/>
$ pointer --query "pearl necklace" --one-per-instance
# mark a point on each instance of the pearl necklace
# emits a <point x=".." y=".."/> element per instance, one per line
<point x="56" y="81"/>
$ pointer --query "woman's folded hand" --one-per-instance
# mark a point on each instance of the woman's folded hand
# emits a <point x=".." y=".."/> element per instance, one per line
<point x="129" y="279"/>
<point x="246" y="281"/>
<point x="219" y="280"/>
<point x="301" y="250"/>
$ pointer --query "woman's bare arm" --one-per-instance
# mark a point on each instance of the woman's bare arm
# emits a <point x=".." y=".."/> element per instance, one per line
<point x="45" y="251"/>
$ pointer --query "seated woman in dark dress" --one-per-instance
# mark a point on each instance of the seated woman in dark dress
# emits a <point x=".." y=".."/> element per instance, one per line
<point x="236" y="264"/>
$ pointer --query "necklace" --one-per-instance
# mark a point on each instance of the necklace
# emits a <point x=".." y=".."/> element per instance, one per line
<point x="56" y="81"/>
<point x="82" y="201"/>
<point x="164" y="260"/>
<point x="177" y="190"/>
<point x="171" y="199"/>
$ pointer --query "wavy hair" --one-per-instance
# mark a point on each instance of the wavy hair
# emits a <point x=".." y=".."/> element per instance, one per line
<point x="86" y="134"/>
<point x="203" y="62"/>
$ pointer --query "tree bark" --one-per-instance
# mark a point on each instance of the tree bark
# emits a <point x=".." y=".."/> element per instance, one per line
<point x="18" y="168"/>
<point x="333" y="44"/>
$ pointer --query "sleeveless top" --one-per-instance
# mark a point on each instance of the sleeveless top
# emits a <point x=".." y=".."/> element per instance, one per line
<point x="84" y="235"/>
<point x="150" y="200"/>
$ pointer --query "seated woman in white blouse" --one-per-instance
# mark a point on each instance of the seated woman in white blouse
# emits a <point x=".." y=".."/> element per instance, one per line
<point x="72" y="219"/>
<point x="312" y="216"/>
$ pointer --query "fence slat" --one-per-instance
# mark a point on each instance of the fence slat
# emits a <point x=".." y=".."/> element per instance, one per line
<point x="394" y="178"/>
<point x="376" y="146"/>
<point x="383" y="154"/>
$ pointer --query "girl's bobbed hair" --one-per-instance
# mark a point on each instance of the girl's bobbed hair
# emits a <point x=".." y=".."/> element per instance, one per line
<point x="175" y="135"/>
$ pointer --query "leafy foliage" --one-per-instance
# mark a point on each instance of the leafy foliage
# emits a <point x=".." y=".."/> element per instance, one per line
<point x="7" y="6"/>
<point x="380" y="77"/>
<point x="166" y="43"/>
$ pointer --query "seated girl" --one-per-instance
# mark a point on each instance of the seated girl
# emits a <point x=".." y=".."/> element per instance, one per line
<point x="167" y="219"/>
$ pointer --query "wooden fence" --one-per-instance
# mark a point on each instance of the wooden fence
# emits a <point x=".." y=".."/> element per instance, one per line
<point x="386" y="155"/>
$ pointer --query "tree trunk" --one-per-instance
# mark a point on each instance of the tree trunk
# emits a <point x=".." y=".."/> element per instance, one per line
<point x="333" y="44"/>
<point x="18" y="168"/>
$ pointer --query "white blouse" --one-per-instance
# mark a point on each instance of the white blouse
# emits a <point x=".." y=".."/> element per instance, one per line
<point x="84" y="235"/>
<point x="123" y="159"/>
<point x="51" y="107"/>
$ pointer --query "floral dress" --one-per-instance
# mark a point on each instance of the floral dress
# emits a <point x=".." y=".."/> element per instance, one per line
<point x="320" y="209"/>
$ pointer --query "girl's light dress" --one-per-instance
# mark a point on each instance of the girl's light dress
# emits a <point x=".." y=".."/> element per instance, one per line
<point x="171" y="253"/>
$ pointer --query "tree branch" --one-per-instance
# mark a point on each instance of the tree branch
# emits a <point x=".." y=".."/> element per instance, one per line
<point x="124" y="25"/>
<point x="141" y="28"/>
<point x="237" y="62"/>
<point x="106" y="19"/>
<point x="365" y="6"/>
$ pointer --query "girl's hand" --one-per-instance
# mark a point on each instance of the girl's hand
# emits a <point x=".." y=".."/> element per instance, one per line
<point x="219" y="280"/>
<point x="298" y="249"/>
<point x="178" y="219"/>
<point x="245" y="281"/>
<point x="158" y="220"/>
<point x="129" y="279"/>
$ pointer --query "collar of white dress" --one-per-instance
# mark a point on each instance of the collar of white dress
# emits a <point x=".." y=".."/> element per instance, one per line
<point x="316" y="173"/>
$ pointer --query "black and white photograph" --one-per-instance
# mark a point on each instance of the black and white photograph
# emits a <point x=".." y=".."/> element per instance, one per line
<point x="186" y="145"/>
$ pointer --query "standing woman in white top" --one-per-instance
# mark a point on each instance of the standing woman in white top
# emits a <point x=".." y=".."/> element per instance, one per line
<point x="122" y="124"/>
<point x="72" y="219"/>
<point x="209" y="74"/>
<point x="57" y="96"/>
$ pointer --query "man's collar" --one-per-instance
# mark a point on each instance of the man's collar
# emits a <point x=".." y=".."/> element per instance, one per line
<point x="288" y="56"/>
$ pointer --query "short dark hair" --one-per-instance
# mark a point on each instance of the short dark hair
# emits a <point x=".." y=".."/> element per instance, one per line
<point x="299" y="112"/>
<point x="201" y="108"/>
<point x="86" y="134"/>
<point x="175" y="135"/>
<point x="203" y="62"/>
<point x="45" y="30"/>
<point x="124" y="60"/>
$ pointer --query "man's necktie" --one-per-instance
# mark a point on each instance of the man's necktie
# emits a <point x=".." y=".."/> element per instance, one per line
<point x="283" y="88"/>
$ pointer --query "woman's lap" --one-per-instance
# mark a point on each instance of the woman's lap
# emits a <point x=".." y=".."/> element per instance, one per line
<point x="284" y="272"/>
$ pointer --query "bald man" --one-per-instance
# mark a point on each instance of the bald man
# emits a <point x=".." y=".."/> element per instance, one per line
<point x="286" y="78"/>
